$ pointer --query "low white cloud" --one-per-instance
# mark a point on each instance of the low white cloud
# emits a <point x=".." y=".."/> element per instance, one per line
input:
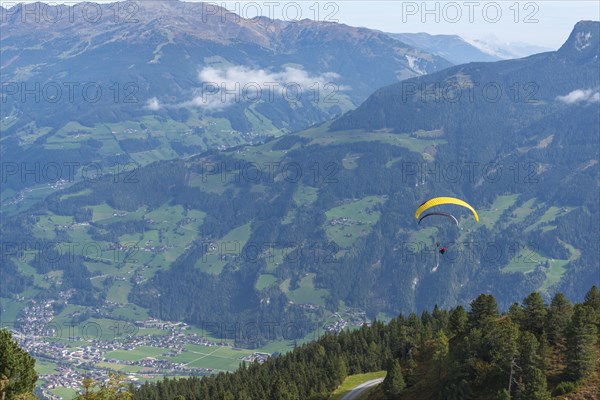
<point x="209" y="102"/>
<point x="247" y="76"/>
<point x="580" y="96"/>
<point x="224" y="87"/>
<point x="153" y="104"/>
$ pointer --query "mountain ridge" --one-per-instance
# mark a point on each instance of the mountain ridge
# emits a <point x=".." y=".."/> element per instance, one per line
<point x="163" y="70"/>
<point x="451" y="47"/>
<point x="303" y="227"/>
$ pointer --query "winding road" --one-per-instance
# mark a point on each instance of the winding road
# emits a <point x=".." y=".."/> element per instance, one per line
<point x="357" y="391"/>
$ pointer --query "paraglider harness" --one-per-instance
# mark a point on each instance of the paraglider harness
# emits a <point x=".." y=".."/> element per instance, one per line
<point x="442" y="250"/>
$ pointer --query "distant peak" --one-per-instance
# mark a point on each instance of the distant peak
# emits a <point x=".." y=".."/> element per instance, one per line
<point x="583" y="40"/>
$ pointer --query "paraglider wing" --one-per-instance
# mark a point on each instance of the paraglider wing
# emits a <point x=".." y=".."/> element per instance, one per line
<point x="443" y="214"/>
<point x="444" y="200"/>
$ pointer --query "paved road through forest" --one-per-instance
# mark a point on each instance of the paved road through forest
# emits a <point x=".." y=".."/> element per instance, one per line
<point x="357" y="391"/>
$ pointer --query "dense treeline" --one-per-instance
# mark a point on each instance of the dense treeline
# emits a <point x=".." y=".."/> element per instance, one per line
<point x="531" y="352"/>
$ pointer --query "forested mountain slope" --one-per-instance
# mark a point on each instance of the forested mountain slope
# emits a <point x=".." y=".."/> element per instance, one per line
<point x="533" y="352"/>
<point x="324" y="219"/>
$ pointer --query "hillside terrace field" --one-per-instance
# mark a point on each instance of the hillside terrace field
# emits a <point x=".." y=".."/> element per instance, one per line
<point x="347" y="222"/>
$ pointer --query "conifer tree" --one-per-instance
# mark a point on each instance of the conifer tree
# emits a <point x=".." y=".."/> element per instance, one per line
<point x="483" y="309"/>
<point x="534" y="314"/>
<point x="581" y="339"/>
<point x="411" y="370"/>
<point x="17" y="368"/>
<point x="558" y="319"/>
<point x="516" y="313"/>
<point x="532" y="380"/>
<point x="533" y="386"/>
<point x="458" y="320"/>
<point x="502" y="339"/>
<point x="592" y="300"/>
<point x="393" y="384"/>
<point x="440" y="352"/>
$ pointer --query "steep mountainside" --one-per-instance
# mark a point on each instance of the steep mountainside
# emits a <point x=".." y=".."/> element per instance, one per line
<point x="324" y="219"/>
<point x="136" y="82"/>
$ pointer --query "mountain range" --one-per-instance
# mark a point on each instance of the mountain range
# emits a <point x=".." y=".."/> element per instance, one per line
<point x="162" y="80"/>
<point x="461" y="51"/>
<point x="527" y="159"/>
<point x="451" y="47"/>
<point x="506" y="50"/>
<point x="203" y="78"/>
<point x="294" y="227"/>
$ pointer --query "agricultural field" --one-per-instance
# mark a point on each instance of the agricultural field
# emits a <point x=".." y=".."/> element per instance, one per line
<point x="280" y="255"/>
<point x="136" y="354"/>
<point x="549" y="216"/>
<point x="523" y="210"/>
<point x="558" y="267"/>
<point x="218" y="358"/>
<point x="320" y="135"/>
<point x="423" y="236"/>
<point x="306" y="293"/>
<point x="305" y="195"/>
<point x="488" y="217"/>
<point x="122" y="368"/>
<point x="14" y="203"/>
<point x="526" y="260"/>
<point x="264" y="281"/>
<point x="44" y="367"/>
<point x="216" y="182"/>
<point x="221" y="251"/>
<point x="348" y="222"/>
<point x="64" y="393"/>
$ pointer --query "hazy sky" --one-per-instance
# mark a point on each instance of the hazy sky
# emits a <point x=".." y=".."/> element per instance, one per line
<point x="544" y="23"/>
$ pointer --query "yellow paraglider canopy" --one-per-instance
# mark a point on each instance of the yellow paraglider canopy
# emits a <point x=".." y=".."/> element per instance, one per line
<point x="436" y="201"/>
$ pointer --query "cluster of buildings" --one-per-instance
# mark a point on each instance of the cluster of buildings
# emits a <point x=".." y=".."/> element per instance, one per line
<point x="65" y="377"/>
<point x="352" y="317"/>
<point x="344" y="221"/>
<point x="336" y="327"/>
<point x="256" y="357"/>
<point x="34" y="320"/>
<point x="75" y="356"/>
